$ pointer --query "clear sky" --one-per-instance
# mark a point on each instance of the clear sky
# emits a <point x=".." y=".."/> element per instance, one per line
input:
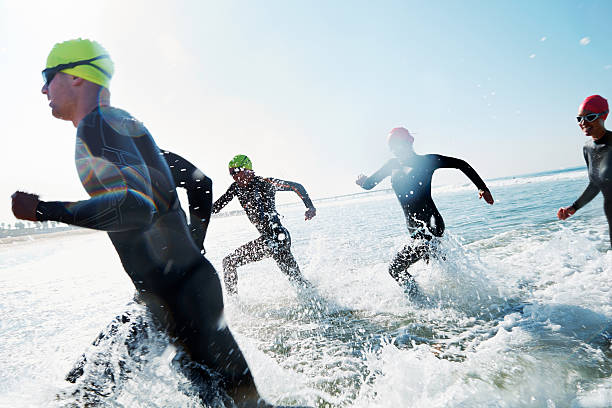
<point x="310" y="89"/>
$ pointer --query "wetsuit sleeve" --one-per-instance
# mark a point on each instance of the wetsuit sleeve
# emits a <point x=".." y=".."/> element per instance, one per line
<point x="591" y="190"/>
<point x="283" y="185"/>
<point x="224" y="199"/>
<point x="194" y="181"/>
<point x="114" y="211"/>
<point x="120" y="199"/>
<point x="440" y="162"/>
<point x="380" y="175"/>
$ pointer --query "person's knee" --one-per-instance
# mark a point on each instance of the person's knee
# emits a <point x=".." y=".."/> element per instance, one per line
<point x="228" y="263"/>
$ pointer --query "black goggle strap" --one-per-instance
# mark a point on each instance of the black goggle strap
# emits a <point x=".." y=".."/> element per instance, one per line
<point x="54" y="70"/>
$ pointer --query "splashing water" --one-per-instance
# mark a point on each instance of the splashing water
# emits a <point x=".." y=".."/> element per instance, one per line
<point x="514" y="310"/>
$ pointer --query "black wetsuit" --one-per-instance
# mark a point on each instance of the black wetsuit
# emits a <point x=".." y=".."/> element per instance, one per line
<point x="133" y="198"/>
<point x="258" y="201"/>
<point x="411" y="181"/>
<point x="598" y="157"/>
<point x="199" y="194"/>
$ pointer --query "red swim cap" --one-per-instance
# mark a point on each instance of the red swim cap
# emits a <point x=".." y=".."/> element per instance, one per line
<point x="595" y="104"/>
<point x="400" y="133"/>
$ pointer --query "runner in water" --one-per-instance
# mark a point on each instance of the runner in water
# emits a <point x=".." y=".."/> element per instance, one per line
<point x="598" y="156"/>
<point x="133" y="198"/>
<point x="411" y="175"/>
<point x="199" y="194"/>
<point x="257" y="197"/>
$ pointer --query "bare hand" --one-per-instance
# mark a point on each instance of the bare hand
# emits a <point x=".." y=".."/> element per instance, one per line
<point x="311" y="212"/>
<point x="361" y="180"/>
<point x="565" y="212"/>
<point x="486" y="195"/>
<point x="24" y="205"/>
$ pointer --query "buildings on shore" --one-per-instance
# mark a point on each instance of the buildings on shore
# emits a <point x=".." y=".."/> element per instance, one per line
<point x="20" y="228"/>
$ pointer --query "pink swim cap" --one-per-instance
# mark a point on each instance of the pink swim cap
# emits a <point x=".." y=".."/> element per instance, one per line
<point x="400" y="134"/>
<point x="595" y="104"/>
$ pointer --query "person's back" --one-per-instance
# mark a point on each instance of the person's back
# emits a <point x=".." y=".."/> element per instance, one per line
<point x="411" y="182"/>
<point x="258" y="200"/>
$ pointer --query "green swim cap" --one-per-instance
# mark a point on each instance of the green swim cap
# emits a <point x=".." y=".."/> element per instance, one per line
<point x="98" y="71"/>
<point x="242" y="161"/>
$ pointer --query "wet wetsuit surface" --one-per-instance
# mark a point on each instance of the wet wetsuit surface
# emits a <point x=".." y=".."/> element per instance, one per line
<point x="258" y="201"/>
<point x="411" y="181"/>
<point x="199" y="193"/>
<point x="133" y="198"/>
<point x="598" y="157"/>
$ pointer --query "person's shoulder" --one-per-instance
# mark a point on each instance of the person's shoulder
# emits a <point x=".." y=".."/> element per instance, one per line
<point x="433" y="157"/>
<point x="589" y="145"/>
<point x="122" y="121"/>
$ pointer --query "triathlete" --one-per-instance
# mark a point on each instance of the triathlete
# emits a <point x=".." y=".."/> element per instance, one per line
<point x="257" y="196"/>
<point x="598" y="156"/>
<point x="133" y="198"/>
<point x="199" y="194"/>
<point x="411" y="175"/>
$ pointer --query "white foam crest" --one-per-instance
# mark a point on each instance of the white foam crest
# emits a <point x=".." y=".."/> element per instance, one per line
<point x="598" y="397"/>
<point x="495" y="373"/>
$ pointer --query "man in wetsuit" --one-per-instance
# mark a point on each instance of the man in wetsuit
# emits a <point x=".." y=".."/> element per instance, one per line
<point x="199" y="194"/>
<point x="257" y="197"/>
<point x="133" y="198"/>
<point x="598" y="156"/>
<point x="411" y="180"/>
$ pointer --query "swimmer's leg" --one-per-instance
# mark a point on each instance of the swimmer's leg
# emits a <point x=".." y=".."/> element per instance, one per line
<point x="252" y="251"/>
<point x="288" y="265"/>
<point x="201" y="330"/>
<point x="98" y="377"/>
<point x="285" y="260"/>
<point x="398" y="268"/>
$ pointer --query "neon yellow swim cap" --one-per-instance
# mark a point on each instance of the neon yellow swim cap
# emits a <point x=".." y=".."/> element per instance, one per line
<point x="98" y="71"/>
<point x="242" y="161"/>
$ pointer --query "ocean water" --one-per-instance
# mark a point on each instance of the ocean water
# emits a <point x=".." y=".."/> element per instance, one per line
<point x="516" y="311"/>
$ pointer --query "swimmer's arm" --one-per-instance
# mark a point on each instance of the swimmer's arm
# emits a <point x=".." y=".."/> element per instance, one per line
<point x="121" y="197"/>
<point x="454" y="163"/>
<point x="283" y="185"/>
<point x="112" y="211"/>
<point x="589" y="193"/>
<point x="369" y="183"/>
<point x="591" y="190"/>
<point x="224" y="199"/>
<point x="194" y="181"/>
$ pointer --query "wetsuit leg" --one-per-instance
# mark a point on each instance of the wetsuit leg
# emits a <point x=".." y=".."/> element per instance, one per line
<point x="204" y="335"/>
<point x="284" y="258"/>
<point x="405" y="258"/>
<point x="98" y="376"/>
<point x="253" y="251"/>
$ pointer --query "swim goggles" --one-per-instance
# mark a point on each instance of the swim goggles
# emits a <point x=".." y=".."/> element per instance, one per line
<point x="590" y="117"/>
<point x="236" y="170"/>
<point x="49" y="73"/>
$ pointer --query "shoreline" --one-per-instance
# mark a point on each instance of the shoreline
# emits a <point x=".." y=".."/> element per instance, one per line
<point x="27" y="238"/>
